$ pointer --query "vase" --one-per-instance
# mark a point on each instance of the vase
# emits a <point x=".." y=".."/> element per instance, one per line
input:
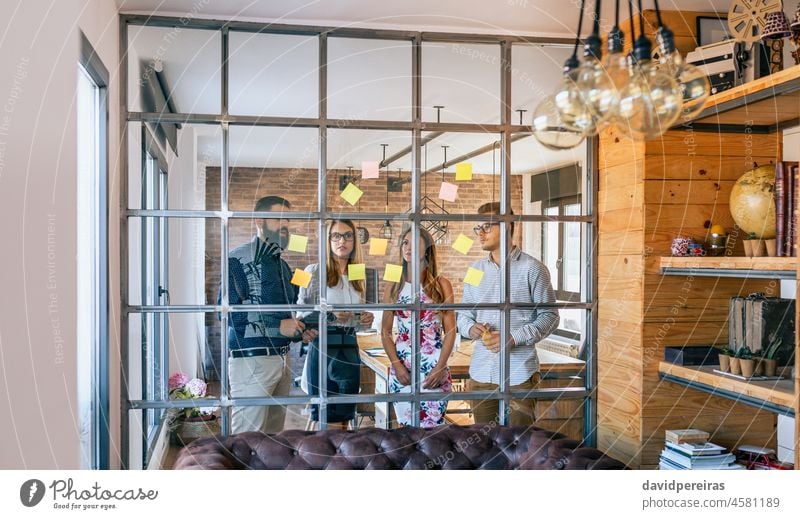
<point x="724" y="363"/>
<point x="748" y="367"/>
<point x="189" y="429"/>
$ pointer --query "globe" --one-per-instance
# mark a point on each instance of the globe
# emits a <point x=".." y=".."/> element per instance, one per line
<point x="752" y="202"/>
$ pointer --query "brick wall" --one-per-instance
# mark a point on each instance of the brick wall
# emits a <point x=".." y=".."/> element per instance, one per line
<point x="246" y="185"/>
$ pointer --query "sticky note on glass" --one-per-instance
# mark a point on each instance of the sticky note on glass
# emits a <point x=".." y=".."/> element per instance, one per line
<point x="369" y="169"/>
<point x="377" y="246"/>
<point x="301" y="278"/>
<point x="473" y="277"/>
<point x="393" y="273"/>
<point x="297" y="243"/>
<point x="448" y="191"/>
<point x="463" y="244"/>
<point x="464" y="171"/>
<point x="351" y="194"/>
<point x="356" y="272"/>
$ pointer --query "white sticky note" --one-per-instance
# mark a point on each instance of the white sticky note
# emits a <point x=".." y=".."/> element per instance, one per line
<point x="448" y="192"/>
<point x="351" y="194"/>
<point x="301" y="278"/>
<point x="464" y="171"/>
<point x="473" y="277"/>
<point x="369" y="169"/>
<point x="463" y="244"/>
<point x="393" y="273"/>
<point x="356" y="272"/>
<point x="297" y="243"/>
<point x="377" y="246"/>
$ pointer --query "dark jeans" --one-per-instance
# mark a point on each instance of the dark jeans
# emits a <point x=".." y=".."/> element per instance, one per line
<point x="344" y="374"/>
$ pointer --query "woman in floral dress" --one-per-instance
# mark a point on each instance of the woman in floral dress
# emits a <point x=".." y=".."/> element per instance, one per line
<point x="437" y="333"/>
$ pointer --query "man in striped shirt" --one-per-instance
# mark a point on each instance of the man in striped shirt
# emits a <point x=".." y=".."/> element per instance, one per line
<point x="530" y="283"/>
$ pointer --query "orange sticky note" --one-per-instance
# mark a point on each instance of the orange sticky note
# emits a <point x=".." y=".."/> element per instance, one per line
<point x="463" y="244"/>
<point x="351" y="194"/>
<point x="377" y="246"/>
<point x="464" y="171"/>
<point x="448" y="191"/>
<point x="393" y="273"/>
<point x="369" y="169"/>
<point x="297" y="243"/>
<point x="301" y="278"/>
<point x="356" y="272"/>
<point x="473" y="277"/>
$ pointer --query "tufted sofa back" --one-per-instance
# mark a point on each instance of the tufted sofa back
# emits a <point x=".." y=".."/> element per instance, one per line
<point x="445" y="447"/>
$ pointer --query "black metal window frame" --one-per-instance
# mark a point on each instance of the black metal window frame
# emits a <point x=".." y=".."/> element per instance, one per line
<point x="414" y="218"/>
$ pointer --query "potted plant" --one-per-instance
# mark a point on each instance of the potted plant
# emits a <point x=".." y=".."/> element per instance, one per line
<point x="724" y="359"/>
<point x="768" y="359"/>
<point x="753" y="246"/>
<point x="735" y="367"/>
<point x="746" y="362"/>
<point x="190" y="423"/>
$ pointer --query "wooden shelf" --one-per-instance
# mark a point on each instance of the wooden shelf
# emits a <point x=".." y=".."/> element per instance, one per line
<point x="760" y="106"/>
<point x="772" y="395"/>
<point x="730" y="266"/>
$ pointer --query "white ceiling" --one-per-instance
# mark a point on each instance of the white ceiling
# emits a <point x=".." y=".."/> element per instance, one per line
<point x="523" y="17"/>
<point x="276" y="75"/>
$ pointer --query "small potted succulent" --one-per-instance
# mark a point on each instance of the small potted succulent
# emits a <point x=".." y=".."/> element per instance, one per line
<point x="768" y="359"/>
<point x="735" y="366"/>
<point x="746" y="361"/>
<point x="753" y="246"/>
<point x="725" y="355"/>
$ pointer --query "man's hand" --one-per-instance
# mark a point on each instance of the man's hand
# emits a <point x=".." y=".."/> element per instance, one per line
<point x="401" y="373"/>
<point x="292" y="328"/>
<point x="310" y="335"/>
<point x="477" y="331"/>
<point x="492" y="342"/>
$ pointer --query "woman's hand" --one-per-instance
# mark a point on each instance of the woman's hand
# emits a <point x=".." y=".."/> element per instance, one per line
<point x="401" y="372"/>
<point x="366" y="319"/>
<point x="436" y="377"/>
<point x="343" y="317"/>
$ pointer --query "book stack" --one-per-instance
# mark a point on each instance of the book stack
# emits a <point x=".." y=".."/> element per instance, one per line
<point x="689" y="449"/>
<point x="787" y="196"/>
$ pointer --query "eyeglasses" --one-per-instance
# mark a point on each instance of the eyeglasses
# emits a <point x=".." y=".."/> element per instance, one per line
<point x="348" y="236"/>
<point x="484" y="228"/>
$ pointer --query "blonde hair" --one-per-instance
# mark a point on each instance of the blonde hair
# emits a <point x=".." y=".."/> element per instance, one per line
<point x="332" y="267"/>
<point x="430" y="276"/>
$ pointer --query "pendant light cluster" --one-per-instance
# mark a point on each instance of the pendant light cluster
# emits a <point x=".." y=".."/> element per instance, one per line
<point x="641" y="94"/>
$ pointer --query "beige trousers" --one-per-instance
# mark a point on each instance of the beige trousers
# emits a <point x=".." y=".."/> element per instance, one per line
<point x="523" y="411"/>
<point x="268" y="375"/>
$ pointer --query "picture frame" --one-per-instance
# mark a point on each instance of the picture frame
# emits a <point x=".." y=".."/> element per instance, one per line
<point x="711" y="29"/>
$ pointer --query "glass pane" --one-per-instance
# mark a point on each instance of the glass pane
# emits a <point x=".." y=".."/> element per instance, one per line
<point x="369" y="79"/>
<point x="191" y="167"/>
<point x="271" y="161"/>
<point x="535" y="73"/>
<point x="173" y="70"/>
<point x="464" y="79"/>
<point x="348" y="150"/>
<point x="560" y="246"/>
<point x="173" y="261"/>
<point x="273" y="74"/>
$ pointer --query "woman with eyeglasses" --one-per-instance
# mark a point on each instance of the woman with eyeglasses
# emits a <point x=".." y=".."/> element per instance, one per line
<point x="437" y="333"/>
<point x="343" y="366"/>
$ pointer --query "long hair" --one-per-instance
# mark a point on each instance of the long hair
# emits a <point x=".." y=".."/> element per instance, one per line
<point x="430" y="277"/>
<point x="355" y="256"/>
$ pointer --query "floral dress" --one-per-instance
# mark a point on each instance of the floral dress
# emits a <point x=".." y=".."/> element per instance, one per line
<point x="432" y="412"/>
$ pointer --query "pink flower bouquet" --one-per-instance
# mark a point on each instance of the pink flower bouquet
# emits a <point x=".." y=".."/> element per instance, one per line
<point x="181" y="387"/>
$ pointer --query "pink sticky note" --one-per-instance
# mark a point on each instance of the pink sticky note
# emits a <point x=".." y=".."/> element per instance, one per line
<point x="448" y="191"/>
<point x="369" y="169"/>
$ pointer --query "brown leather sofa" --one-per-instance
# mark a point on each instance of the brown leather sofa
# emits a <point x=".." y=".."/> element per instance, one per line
<point x="445" y="447"/>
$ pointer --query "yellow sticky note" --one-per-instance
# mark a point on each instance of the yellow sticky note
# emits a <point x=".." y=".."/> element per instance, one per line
<point x="356" y="272"/>
<point x="377" y="246"/>
<point x="464" y="171"/>
<point x="351" y="194"/>
<point x="297" y="243"/>
<point x="393" y="273"/>
<point x="473" y="277"/>
<point x="301" y="278"/>
<point x="463" y="244"/>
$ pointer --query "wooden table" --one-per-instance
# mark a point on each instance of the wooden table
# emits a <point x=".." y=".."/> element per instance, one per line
<point x="557" y="371"/>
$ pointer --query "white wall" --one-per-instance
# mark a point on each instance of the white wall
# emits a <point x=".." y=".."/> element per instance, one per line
<point x="39" y="49"/>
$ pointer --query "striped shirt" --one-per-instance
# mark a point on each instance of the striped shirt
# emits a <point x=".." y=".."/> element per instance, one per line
<point x="530" y="283"/>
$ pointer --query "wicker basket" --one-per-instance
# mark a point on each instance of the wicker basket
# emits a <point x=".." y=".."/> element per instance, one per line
<point x="188" y="430"/>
